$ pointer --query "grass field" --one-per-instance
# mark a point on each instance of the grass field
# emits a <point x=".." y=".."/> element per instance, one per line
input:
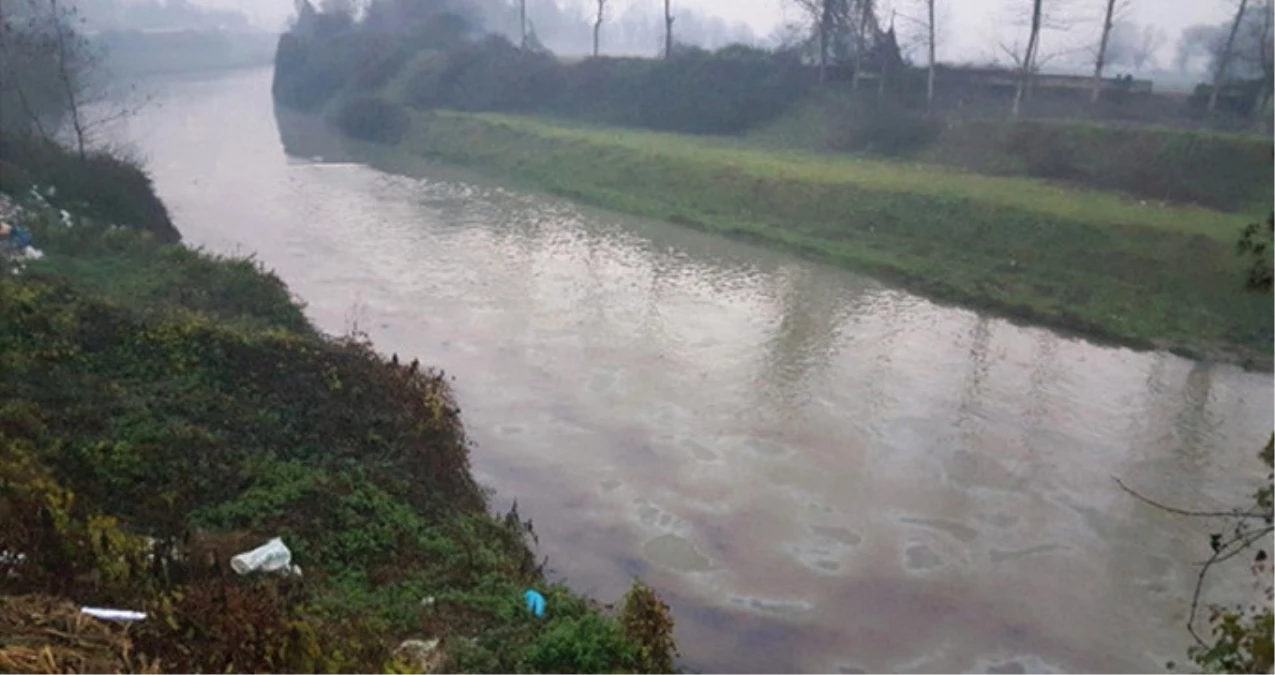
<point x="1098" y="263"/>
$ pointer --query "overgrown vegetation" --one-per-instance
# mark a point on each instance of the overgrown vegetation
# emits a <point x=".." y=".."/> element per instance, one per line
<point x="724" y="92"/>
<point x="105" y="185"/>
<point x="1256" y="244"/>
<point x="434" y="57"/>
<point x="162" y="410"/>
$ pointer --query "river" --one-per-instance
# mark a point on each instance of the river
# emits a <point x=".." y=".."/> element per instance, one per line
<point x="820" y="472"/>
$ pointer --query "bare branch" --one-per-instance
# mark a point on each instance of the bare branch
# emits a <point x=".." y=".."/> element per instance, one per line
<point x="1234" y="513"/>
<point x="1242" y="540"/>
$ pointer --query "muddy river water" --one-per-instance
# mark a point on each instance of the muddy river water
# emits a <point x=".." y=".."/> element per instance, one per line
<point x="820" y="472"/>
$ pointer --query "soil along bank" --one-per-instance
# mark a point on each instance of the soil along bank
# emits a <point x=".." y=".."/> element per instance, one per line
<point x="1091" y="262"/>
<point x="162" y="410"/>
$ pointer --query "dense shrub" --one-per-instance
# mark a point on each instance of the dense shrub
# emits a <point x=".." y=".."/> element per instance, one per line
<point x="371" y="118"/>
<point x="104" y="185"/>
<point x="882" y="128"/>
<point x="306" y="74"/>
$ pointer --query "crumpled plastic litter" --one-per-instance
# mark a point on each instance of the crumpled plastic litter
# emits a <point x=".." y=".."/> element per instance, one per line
<point x="272" y="556"/>
<point x="107" y="614"/>
<point x="535" y="603"/>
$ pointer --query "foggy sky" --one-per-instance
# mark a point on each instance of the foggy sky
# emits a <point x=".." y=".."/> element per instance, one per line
<point x="969" y="29"/>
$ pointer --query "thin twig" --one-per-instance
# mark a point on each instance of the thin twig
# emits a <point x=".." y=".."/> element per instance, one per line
<point x="1236" y="513"/>
<point x="1222" y="551"/>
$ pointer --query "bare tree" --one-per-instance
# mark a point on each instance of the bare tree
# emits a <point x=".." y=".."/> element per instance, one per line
<point x="1266" y="59"/>
<point x="1219" y="72"/>
<point x="862" y="18"/>
<point x="817" y="12"/>
<point x="72" y="70"/>
<point x="597" y="24"/>
<point x="668" y="30"/>
<point x="929" y="78"/>
<point x="1055" y="15"/>
<point x="1107" y="22"/>
<point x="522" y="23"/>
<point x="55" y="74"/>
<point x="1027" y="66"/>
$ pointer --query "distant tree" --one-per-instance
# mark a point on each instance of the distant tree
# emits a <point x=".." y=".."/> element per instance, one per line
<point x="1027" y="64"/>
<point x="842" y="31"/>
<point x="597" y="24"/>
<point x="1134" y="46"/>
<point x="1224" y="58"/>
<point x="346" y="7"/>
<point x="522" y="24"/>
<point x="930" y="44"/>
<point x="1198" y="41"/>
<point x="926" y="36"/>
<point x="54" y="73"/>
<point x="668" y="30"/>
<point x="1028" y="60"/>
<point x="819" y="14"/>
<point x="1254" y="51"/>
<point x="863" y="19"/>
<point x="1108" y="22"/>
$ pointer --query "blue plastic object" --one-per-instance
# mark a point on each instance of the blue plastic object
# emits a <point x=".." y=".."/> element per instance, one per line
<point x="19" y="238"/>
<point x="535" y="603"/>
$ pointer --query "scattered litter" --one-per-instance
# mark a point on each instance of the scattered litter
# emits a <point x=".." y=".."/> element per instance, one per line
<point x="424" y="655"/>
<point x="42" y="634"/>
<point x="427" y="601"/>
<point x="113" y="614"/>
<point x="535" y="603"/>
<point x="272" y="556"/>
<point x="66" y="218"/>
<point x="14" y="237"/>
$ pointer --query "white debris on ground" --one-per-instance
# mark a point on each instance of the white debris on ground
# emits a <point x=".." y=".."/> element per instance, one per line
<point x="423" y="655"/>
<point x="9" y="210"/>
<point x="272" y="556"/>
<point x="106" y="614"/>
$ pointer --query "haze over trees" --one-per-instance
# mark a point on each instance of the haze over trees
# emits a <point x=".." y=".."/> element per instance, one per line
<point x="54" y="81"/>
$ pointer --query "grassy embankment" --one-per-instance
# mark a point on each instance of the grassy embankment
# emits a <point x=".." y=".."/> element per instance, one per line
<point x="162" y="410"/>
<point x="1096" y="263"/>
<point x="1227" y="171"/>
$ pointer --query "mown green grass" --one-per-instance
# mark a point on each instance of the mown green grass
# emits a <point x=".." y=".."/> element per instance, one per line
<point x="1094" y="262"/>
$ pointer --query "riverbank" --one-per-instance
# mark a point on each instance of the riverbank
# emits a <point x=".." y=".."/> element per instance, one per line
<point x="1097" y="264"/>
<point x="165" y="409"/>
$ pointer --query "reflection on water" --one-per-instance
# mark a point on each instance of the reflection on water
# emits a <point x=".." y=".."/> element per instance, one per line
<point x="820" y="472"/>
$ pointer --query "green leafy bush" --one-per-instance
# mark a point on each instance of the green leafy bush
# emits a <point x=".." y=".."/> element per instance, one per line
<point x="588" y="644"/>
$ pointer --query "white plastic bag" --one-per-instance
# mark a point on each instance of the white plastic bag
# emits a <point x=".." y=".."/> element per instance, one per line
<point x="272" y="556"/>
